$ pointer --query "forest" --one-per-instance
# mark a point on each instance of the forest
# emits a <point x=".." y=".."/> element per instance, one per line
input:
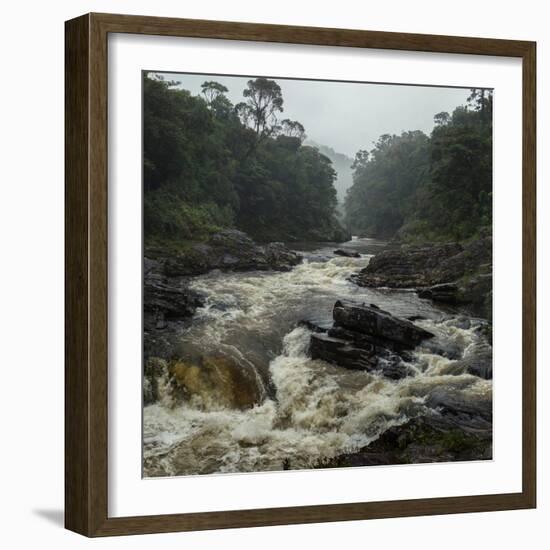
<point x="416" y="187"/>
<point x="209" y="165"/>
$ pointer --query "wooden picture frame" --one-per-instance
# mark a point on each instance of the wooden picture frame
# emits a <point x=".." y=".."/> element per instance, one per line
<point x="86" y="359"/>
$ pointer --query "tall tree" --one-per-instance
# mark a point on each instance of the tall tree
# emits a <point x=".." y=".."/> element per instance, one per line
<point x="293" y="129"/>
<point x="264" y="100"/>
<point x="211" y="90"/>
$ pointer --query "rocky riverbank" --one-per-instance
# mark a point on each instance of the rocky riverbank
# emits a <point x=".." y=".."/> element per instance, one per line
<point x="453" y="431"/>
<point x="169" y="303"/>
<point x="458" y="274"/>
<point x="454" y="274"/>
<point x="241" y="384"/>
<point x="453" y="428"/>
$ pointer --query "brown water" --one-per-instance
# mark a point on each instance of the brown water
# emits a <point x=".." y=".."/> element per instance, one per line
<point x="311" y="411"/>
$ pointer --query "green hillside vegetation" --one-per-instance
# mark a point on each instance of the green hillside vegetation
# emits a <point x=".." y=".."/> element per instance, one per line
<point x="209" y="164"/>
<point x="417" y="187"/>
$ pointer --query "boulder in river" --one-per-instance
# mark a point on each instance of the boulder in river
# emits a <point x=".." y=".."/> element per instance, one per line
<point x="347" y="253"/>
<point x="215" y="382"/>
<point x="342" y="352"/>
<point x="364" y="356"/>
<point x="477" y="361"/>
<point x="367" y="338"/>
<point x="371" y="320"/>
<point x="279" y="257"/>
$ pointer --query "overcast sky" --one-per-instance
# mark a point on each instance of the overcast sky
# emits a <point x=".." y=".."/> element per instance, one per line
<point x="346" y="116"/>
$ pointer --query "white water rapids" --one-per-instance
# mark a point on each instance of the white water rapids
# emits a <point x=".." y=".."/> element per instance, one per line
<point x="311" y="411"/>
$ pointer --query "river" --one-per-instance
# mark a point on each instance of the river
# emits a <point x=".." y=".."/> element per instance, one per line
<point x="310" y="411"/>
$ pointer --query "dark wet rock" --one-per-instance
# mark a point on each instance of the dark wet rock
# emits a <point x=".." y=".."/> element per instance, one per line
<point x="408" y="267"/>
<point x="168" y="306"/>
<point x="231" y="250"/>
<point x="477" y="361"/>
<point x="367" y="338"/>
<point x="342" y="352"/>
<point x="348" y="355"/>
<point x="438" y="436"/>
<point x="444" y="347"/>
<point x="476" y="257"/>
<point x="168" y="298"/>
<point x="195" y="260"/>
<point x="314" y="325"/>
<point x="371" y="320"/>
<point x="461" y="322"/>
<point x="443" y="292"/>
<point x="452" y="273"/>
<point x="460" y="409"/>
<point x="391" y="366"/>
<point x="416" y="318"/>
<point x="151" y="266"/>
<point x="347" y="253"/>
<point x="279" y="257"/>
<point x="475" y="291"/>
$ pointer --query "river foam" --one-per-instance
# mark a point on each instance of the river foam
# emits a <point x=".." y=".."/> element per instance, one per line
<point x="311" y="411"/>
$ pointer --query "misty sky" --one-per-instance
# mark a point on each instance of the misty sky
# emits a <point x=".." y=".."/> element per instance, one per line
<point x="347" y="116"/>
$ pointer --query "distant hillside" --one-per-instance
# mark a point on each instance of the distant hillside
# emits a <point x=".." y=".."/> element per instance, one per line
<point x="342" y="164"/>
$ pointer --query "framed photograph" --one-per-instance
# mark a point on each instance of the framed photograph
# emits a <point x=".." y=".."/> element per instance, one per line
<point x="300" y="275"/>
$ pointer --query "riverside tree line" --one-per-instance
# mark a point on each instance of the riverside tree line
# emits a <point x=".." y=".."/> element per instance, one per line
<point x="210" y="164"/>
<point x="419" y="187"/>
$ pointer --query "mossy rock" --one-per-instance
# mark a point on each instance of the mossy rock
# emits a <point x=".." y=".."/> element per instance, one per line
<point x="215" y="382"/>
<point x="420" y="440"/>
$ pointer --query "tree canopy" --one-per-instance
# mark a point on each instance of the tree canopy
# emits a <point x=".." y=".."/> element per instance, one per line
<point x="433" y="187"/>
<point x="209" y="164"/>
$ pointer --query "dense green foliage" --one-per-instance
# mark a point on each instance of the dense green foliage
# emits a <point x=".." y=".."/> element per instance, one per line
<point x="209" y="164"/>
<point x="433" y="187"/>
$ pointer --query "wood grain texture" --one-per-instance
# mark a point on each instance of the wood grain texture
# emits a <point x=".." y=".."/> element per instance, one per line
<point x="165" y="26"/>
<point x="77" y="387"/>
<point x="86" y="358"/>
<point x="529" y="274"/>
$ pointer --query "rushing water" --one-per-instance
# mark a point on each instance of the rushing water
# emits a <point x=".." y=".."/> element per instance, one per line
<point x="310" y="410"/>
